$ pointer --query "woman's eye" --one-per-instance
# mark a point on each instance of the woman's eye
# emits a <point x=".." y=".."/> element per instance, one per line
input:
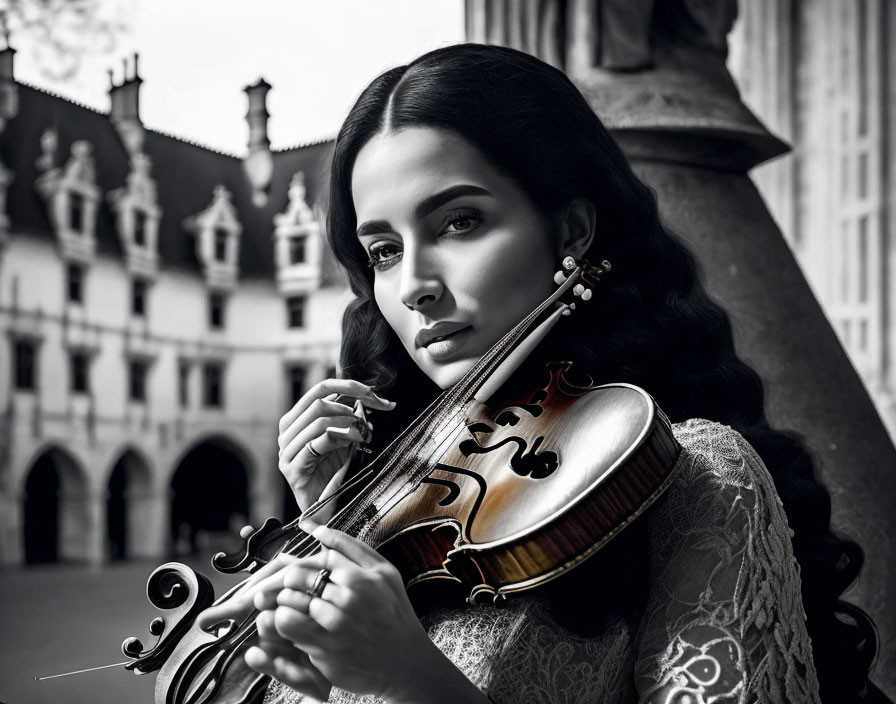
<point x="462" y="222"/>
<point x="383" y="255"/>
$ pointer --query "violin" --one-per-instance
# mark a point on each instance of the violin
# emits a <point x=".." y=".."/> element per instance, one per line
<point x="498" y="497"/>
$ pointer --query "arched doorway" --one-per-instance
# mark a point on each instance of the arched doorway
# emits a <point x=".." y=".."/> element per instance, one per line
<point x="210" y="498"/>
<point x="55" y="511"/>
<point x="127" y="506"/>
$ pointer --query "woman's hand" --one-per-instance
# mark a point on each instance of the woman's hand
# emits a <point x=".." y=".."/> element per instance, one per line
<point x="361" y="633"/>
<point x="259" y="591"/>
<point x="316" y="437"/>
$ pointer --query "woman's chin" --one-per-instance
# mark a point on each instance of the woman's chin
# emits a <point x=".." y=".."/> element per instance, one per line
<point x="443" y="374"/>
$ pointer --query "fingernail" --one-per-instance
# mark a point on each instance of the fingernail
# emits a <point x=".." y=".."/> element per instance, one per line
<point x="308" y="525"/>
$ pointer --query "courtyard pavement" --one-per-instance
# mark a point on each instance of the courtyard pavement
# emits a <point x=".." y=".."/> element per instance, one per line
<point x="61" y="618"/>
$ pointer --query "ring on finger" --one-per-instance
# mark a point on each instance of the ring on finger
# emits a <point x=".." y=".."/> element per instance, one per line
<point x="320" y="583"/>
<point x="311" y="449"/>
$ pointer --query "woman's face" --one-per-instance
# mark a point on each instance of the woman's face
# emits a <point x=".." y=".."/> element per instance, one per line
<point x="461" y="253"/>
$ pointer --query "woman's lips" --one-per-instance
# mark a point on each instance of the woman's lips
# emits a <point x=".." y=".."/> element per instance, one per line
<point x="445" y="346"/>
<point x="438" y="333"/>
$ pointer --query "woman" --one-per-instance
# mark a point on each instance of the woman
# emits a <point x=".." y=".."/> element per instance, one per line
<point x="458" y="184"/>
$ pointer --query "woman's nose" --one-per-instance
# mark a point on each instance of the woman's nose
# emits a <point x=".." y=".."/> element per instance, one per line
<point x="420" y="284"/>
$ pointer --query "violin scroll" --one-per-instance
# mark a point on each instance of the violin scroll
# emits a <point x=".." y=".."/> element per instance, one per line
<point x="183" y="591"/>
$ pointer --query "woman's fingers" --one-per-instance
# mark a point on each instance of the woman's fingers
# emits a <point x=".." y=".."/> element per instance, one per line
<point x="343" y="387"/>
<point x="237" y="605"/>
<point x="355" y="550"/>
<point x="289" y="665"/>
<point x="301" y="629"/>
<point x="320" y="408"/>
<point x="315" y="429"/>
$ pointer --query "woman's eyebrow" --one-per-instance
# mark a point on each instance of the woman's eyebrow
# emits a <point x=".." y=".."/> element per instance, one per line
<point x="425" y="207"/>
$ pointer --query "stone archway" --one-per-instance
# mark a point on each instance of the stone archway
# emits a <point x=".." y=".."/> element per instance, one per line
<point x="128" y="504"/>
<point x="56" y="511"/>
<point x="209" y="498"/>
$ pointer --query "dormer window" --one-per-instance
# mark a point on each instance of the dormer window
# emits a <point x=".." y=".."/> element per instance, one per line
<point x="137" y="218"/>
<point x="217" y="231"/>
<point x="71" y="197"/>
<point x="139" y="228"/>
<point x="221" y="237"/>
<point x="75" y="283"/>
<point x="76" y="212"/>
<point x="297" y="249"/>
<point x="298" y="245"/>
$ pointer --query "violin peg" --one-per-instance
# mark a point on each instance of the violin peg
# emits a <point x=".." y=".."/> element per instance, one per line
<point x="578" y="289"/>
<point x="569" y="263"/>
<point x="566" y="311"/>
<point x="586" y="295"/>
<point x="559" y="278"/>
<point x="572" y="306"/>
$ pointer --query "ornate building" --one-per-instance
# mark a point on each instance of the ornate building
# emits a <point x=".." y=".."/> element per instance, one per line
<point x="161" y="305"/>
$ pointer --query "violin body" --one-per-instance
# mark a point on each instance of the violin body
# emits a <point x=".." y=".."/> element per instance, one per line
<point x="529" y="490"/>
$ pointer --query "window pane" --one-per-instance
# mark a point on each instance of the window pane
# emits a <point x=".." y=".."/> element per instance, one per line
<point x="25" y="359"/>
<point x="76" y="211"/>
<point x="139" y="228"/>
<point x="297" y="376"/>
<point x="863" y="259"/>
<point x="216" y="310"/>
<point x="221" y="245"/>
<point x="212" y="392"/>
<point x="75" y="284"/>
<point x="296" y="250"/>
<point x="79" y="369"/>
<point x="138" y="297"/>
<point x="295" y="309"/>
<point x="183" y="384"/>
<point x="137" y="380"/>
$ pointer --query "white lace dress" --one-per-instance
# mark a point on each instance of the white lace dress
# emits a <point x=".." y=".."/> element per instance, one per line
<point x="724" y="622"/>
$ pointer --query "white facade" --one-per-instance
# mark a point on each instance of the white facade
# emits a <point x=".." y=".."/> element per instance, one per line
<point x="104" y="397"/>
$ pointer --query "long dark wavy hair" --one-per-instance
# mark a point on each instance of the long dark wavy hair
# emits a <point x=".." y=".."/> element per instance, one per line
<point x="658" y="328"/>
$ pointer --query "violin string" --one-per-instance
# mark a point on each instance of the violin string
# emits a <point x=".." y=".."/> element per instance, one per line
<point x="435" y="415"/>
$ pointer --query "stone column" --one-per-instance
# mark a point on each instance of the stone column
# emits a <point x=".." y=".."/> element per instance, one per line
<point x="147" y="523"/>
<point x="689" y="137"/>
<point x="660" y="83"/>
<point x="12" y="531"/>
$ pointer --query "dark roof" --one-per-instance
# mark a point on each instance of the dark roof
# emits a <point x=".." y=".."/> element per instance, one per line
<point x="185" y="175"/>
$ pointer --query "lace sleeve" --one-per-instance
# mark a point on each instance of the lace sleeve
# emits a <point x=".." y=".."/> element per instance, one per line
<point x="725" y="620"/>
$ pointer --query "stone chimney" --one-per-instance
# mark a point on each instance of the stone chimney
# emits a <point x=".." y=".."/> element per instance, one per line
<point x="9" y="95"/>
<point x="259" y="163"/>
<point x="125" y="108"/>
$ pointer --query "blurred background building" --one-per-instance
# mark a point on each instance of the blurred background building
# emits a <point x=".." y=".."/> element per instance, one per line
<point x="161" y="305"/>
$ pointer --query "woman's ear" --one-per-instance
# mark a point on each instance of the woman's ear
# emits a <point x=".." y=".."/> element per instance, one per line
<point x="577" y="226"/>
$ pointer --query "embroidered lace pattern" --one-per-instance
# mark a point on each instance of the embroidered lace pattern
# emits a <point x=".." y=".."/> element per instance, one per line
<point x="724" y="622"/>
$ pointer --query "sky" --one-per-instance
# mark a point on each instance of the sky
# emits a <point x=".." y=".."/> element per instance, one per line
<point x="196" y="56"/>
